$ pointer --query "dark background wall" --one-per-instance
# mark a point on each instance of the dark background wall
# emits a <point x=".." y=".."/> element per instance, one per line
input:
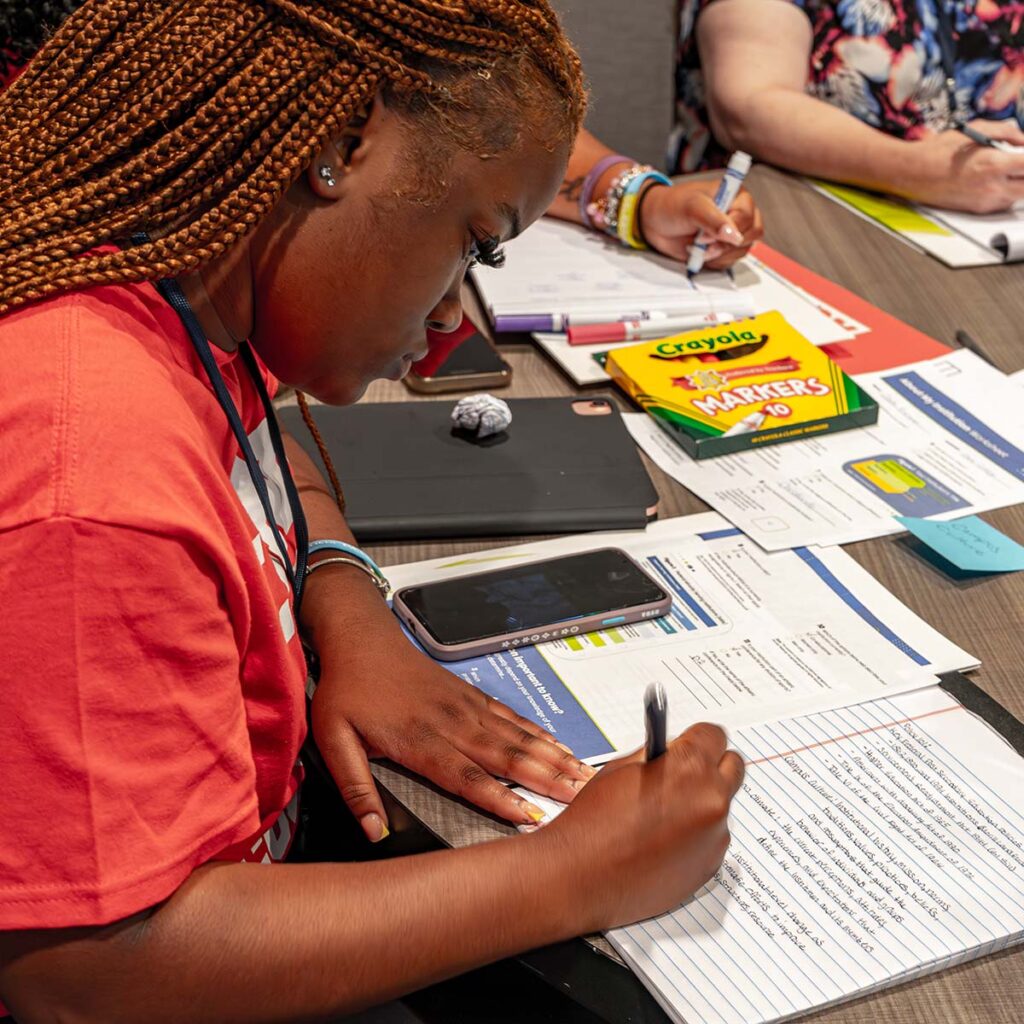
<point x="628" y="50"/>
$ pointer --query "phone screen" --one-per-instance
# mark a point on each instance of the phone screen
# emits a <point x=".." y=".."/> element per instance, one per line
<point x="530" y="596"/>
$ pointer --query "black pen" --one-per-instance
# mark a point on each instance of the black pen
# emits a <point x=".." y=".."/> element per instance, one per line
<point x="656" y="718"/>
<point x="964" y="340"/>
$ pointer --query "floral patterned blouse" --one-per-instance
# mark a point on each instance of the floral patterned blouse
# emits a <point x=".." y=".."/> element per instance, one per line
<point x="881" y="61"/>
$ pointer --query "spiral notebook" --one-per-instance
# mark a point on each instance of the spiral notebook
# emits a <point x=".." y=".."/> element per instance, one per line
<point x="563" y="466"/>
<point x="871" y="845"/>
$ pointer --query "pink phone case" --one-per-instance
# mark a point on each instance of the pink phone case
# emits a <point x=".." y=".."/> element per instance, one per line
<point x="526" y="638"/>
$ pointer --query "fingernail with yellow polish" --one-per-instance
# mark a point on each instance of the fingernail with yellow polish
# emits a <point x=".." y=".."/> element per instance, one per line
<point x="374" y="827"/>
<point x="533" y="811"/>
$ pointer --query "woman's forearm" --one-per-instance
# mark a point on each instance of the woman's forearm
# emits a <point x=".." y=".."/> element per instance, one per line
<point x="252" y="943"/>
<point x="794" y="130"/>
<point x="585" y="155"/>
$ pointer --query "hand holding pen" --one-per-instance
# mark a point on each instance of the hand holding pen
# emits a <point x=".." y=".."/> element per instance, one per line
<point x="649" y="830"/>
<point x="728" y="190"/>
<point x="672" y="218"/>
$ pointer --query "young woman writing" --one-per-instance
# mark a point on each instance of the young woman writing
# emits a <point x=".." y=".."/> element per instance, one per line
<point x="199" y="198"/>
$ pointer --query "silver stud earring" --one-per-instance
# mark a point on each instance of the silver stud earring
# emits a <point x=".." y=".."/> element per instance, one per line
<point x="327" y="175"/>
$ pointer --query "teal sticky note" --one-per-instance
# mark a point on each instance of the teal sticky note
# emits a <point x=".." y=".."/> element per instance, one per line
<point x="969" y="543"/>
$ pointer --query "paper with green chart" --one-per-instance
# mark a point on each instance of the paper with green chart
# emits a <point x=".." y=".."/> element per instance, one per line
<point x="949" y="442"/>
<point x="752" y="637"/>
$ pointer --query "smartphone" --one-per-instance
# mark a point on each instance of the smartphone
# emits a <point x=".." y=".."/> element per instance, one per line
<point x="502" y="609"/>
<point x="461" y="361"/>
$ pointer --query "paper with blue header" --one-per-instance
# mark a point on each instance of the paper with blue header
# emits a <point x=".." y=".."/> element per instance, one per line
<point x="752" y="637"/>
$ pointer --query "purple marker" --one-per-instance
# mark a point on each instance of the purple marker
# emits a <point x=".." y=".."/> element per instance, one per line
<point x="559" y="323"/>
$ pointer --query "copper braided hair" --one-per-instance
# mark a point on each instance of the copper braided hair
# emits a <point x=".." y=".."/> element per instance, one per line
<point x="189" y="119"/>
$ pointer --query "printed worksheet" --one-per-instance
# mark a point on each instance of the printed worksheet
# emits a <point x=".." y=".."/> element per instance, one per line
<point x="948" y="443"/>
<point x="870" y="845"/>
<point x="751" y="637"/>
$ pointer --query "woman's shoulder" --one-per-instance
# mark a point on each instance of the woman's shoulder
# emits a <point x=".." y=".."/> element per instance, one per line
<point x="101" y="398"/>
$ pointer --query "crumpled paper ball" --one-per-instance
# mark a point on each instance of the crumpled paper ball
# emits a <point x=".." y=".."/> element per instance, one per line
<point x="483" y="415"/>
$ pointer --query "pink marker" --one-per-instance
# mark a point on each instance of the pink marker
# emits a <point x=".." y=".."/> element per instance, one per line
<point x="642" y="330"/>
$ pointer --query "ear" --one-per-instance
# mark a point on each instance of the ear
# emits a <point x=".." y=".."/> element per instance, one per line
<point x="338" y="157"/>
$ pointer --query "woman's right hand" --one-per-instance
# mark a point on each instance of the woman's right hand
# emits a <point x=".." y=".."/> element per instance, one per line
<point x="950" y="171"/>
<point x="642" y="837"/>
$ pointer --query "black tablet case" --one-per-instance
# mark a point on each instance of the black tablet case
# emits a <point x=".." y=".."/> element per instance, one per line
<point x="406" y="474"/>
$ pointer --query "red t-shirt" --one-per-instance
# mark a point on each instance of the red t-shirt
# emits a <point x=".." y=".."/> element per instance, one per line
<point x="152" y="682"/>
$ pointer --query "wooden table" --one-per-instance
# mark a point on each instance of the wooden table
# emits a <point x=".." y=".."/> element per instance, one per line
<point x="985" y="616"/>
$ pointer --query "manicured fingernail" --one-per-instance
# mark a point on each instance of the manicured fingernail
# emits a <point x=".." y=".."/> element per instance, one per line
<point x="533" y="811"/>
<point x="374" y="827"/>
<point x="727" y="233"/>
<point x="588" y="771"/>
<point x="568" y="750"/>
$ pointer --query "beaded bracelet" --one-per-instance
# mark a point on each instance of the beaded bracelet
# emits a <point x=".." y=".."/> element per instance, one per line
<point x="615" y="193"/>
<point x="590" y="183"/>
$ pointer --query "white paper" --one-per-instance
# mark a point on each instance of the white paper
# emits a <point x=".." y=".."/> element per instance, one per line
<point x="918" y="460"/>
<point x="1003" y="233"/>
<point x="752" y="637"/>
<point x="957" y="239"/>
<point x="555" y="266"/>
<point x="870" y="845"/>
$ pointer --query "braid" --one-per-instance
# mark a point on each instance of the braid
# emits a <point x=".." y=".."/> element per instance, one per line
<point x="191" y="118"/>
<point x="307" y="418"/>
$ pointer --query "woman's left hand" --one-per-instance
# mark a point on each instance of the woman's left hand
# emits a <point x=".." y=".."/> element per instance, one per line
<point x="388" y="699"/>
<point x="671" y="217"/>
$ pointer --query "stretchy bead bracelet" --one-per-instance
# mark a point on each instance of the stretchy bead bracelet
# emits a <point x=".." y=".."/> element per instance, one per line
<point x="590" y="183"/>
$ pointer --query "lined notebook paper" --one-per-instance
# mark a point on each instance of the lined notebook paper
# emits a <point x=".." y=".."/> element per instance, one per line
<point x="870" y="845"/>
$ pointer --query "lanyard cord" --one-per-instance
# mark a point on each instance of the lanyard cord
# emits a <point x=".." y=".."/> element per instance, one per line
<point x="171" y="291"/>
<point x="947" y="51"/>
<point x="294" y="501"/>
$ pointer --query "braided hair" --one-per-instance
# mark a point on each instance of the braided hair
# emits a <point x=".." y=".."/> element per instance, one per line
<point x="24" y="26"/>
<point x="189" y="119"/>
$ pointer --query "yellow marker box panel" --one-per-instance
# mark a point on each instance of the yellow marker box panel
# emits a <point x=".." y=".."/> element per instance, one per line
<point x="741" y="385"/>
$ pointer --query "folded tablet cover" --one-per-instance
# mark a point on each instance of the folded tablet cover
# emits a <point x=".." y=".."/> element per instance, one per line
<point x="406" y="474"/>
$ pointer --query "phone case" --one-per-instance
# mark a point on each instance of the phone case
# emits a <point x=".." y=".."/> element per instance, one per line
<point x="528" y="637"/>
<point x="458" y="382"/>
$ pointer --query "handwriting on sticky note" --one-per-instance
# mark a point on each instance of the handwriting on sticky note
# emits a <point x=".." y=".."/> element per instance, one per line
<point x="969" y="543"/>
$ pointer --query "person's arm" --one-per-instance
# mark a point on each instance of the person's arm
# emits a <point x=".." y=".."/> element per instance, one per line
<point x="378" y="693"/>
<point x="755" y="55"/>
<point x="252" y="943"/>
<point x="670" y="218"/>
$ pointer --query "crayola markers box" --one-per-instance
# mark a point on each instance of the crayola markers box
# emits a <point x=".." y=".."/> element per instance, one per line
<point x="740" y="385"/>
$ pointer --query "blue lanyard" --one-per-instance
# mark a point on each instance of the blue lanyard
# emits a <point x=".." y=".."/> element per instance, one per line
<point x="171" y="291"/>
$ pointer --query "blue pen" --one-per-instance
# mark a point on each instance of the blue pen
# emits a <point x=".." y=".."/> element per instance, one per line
<point x="656" y="719"/>
<point x="728" y="190"/>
